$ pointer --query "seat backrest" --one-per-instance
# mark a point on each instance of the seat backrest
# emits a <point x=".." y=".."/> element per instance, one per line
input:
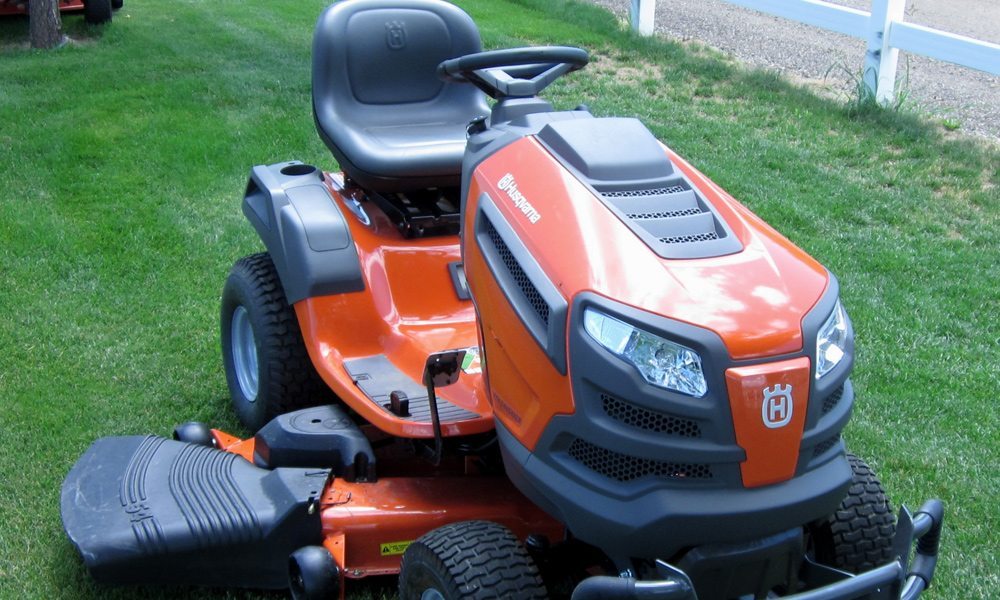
<point x="375" y="63"/>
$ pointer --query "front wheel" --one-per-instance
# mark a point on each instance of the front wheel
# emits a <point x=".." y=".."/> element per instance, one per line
<point x="268" y="369"/>
<point x="469" y="560"/>
<point x="858" y="537"/>
<point x="313" y="574"/>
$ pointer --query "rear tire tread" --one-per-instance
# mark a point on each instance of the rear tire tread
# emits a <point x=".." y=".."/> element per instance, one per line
<point x="291" y="381"/>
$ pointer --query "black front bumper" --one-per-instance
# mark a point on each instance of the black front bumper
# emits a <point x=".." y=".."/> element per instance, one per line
<point x="901" y="579"/>
<point x="657" y="520"/>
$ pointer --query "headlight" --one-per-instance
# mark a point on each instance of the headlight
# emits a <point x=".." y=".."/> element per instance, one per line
<point x="661" y="362"/>
<point x="831" y="343"/>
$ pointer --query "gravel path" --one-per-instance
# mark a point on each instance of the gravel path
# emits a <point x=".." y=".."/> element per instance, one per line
<point x="831" y="60"/>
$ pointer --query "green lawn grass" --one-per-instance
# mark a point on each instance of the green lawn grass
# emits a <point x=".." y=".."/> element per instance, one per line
<point x="122" y="162"/>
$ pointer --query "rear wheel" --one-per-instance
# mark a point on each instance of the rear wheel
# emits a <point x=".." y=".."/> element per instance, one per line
<point x="267" y="366"/>
<point x="469" y="560"/>
<point x="858" y="537"/>
<point x="96" y="12"/>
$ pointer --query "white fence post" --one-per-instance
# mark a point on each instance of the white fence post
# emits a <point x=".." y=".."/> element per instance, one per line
<point x="642" y="16"/>
<point x="879" y="74"/>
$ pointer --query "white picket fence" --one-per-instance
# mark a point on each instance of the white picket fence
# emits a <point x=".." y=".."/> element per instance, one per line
<point x="883" y="28"/>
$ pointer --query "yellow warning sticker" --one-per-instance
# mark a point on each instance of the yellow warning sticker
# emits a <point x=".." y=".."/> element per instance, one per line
<point x="394" y="548"/>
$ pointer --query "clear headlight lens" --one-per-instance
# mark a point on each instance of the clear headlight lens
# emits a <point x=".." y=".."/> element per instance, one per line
<point x="831" y="344"/>
<point x="661" y="362"/>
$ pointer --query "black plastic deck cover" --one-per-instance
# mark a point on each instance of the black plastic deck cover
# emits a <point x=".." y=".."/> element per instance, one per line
<point x="145" y="509"/>
<point x="320" y="436"/>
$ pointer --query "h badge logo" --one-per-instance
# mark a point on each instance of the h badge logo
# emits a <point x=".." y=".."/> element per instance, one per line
<point x="776" y="411"/>
<point x="395" y="35"/>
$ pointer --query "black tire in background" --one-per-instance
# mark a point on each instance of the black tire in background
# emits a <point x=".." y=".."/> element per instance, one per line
<point x="857" y="537"/>
<point x="469" y="560"/>
<point x="194" y="432"/>
<point x="284" y="378"/>
<point x="96" y="12"/>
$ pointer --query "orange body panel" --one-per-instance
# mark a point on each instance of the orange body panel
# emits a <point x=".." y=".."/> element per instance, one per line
<point x="754" y="299"/>
<point x="397" y="510"/>
<point x="526" y="389"/>
<point x="408" y="310"/>
<point x="769" y="403"/>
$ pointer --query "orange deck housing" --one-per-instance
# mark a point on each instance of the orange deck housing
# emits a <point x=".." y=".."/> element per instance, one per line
<point x="367" y="526"/>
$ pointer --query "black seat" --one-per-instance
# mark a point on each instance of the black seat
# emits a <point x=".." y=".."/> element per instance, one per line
<point x="378" y="103"/>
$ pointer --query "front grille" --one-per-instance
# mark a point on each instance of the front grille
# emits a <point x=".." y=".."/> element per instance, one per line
<point x="672" y="189"/>
<point x="636" y="416"/>
<point x="623" y="467"/>
<point x="687" y="239"/>
<point x="830" y="402"/>
<point x="824" y="446"/>
<point x="520" y="278"/>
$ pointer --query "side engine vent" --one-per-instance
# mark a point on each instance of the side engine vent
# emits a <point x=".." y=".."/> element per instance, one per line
<point x="623" y="467"/>
<point x="538" y="303"/>
<point x="531" y="293"/>
<point x="650" y="420"/>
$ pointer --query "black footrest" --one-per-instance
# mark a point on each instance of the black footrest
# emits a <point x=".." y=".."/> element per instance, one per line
<point x="151" y="510"/>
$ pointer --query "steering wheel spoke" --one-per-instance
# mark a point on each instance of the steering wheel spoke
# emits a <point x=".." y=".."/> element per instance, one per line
<point x="515" y="72"/>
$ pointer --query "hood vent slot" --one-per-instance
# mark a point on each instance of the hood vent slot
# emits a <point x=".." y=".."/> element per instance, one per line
<point x="633" y="176"/>
<point x="660" y="191"/>
<point x="673" y="219"/>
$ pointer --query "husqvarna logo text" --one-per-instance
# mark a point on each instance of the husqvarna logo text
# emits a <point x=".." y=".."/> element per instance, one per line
<point x="508" y="185"/>
<point x="776" y="411"/>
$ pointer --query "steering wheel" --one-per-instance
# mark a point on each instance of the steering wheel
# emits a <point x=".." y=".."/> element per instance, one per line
<point x="515" y="72"/>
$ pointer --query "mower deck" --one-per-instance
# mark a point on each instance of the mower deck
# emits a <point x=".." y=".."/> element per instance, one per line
<point x="144" y="509"/>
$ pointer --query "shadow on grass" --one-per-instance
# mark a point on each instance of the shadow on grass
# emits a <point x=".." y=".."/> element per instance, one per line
<point x="14" y="31"/>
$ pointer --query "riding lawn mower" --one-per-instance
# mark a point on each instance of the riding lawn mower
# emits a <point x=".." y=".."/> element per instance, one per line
<point x="507" y="352"/>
